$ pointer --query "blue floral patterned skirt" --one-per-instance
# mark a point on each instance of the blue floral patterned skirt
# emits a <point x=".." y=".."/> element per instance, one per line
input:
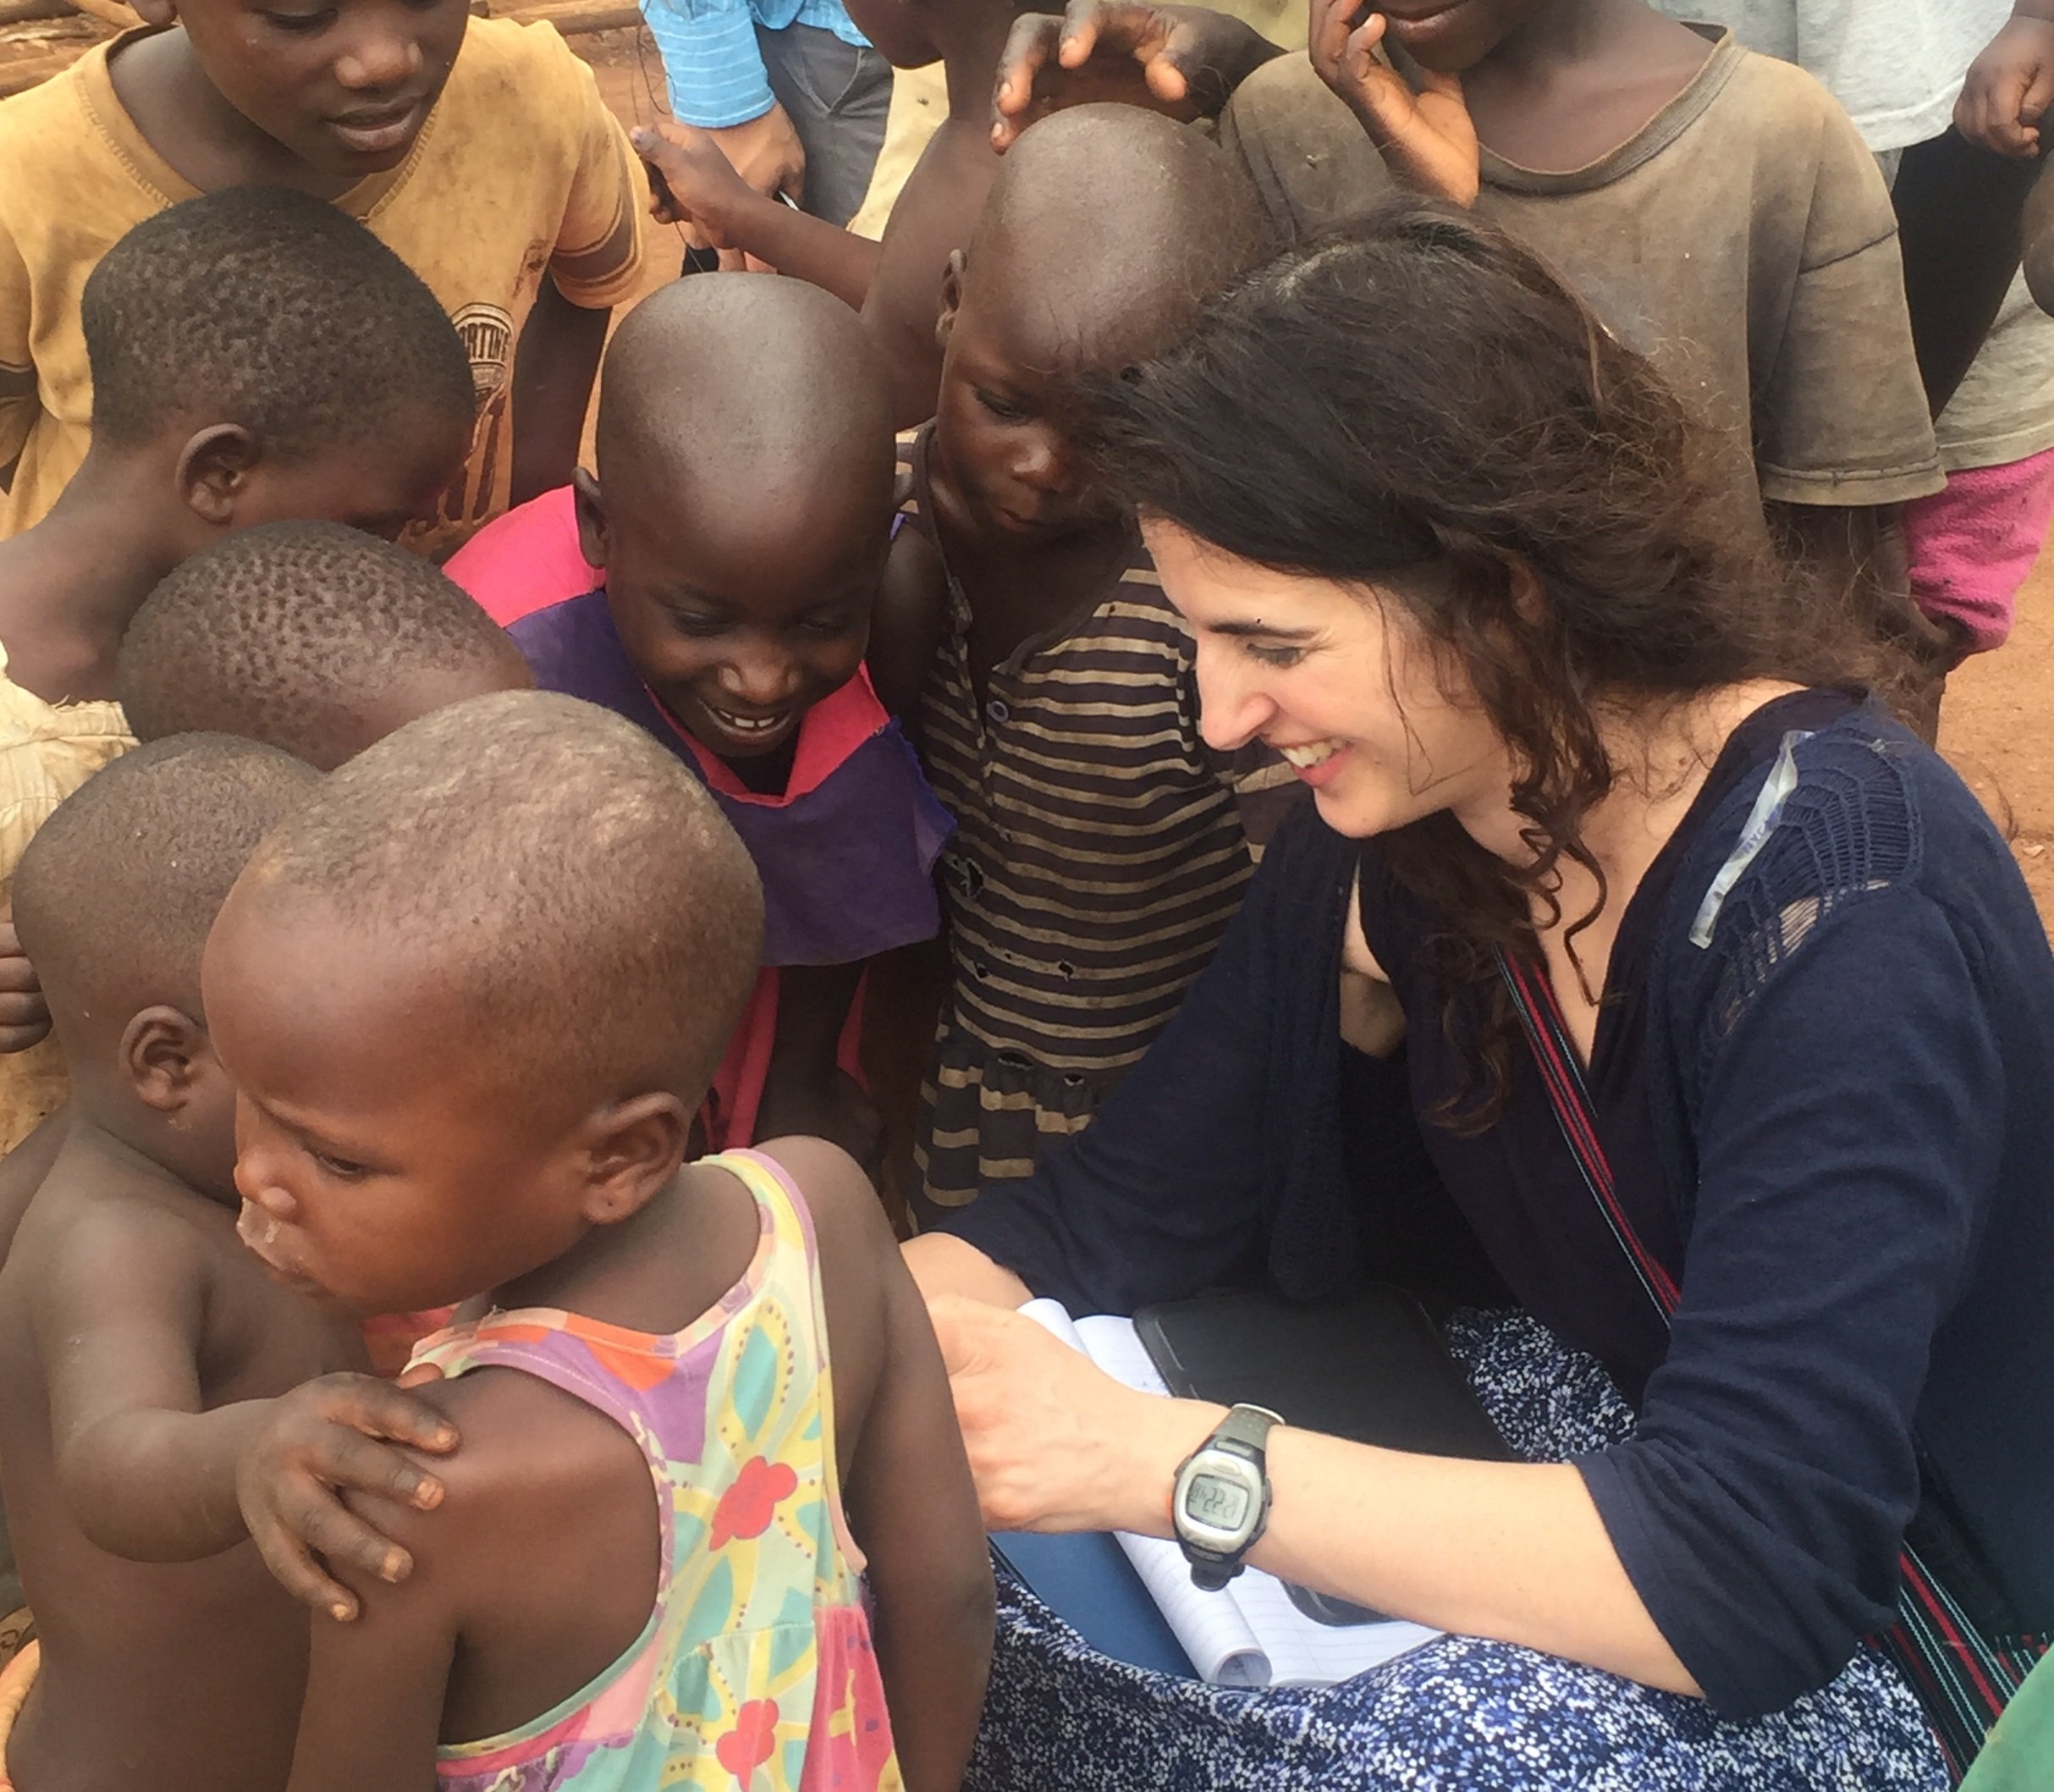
<point x="1460" y="1715"/>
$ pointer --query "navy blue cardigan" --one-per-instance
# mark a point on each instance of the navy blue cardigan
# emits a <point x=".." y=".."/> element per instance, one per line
<point x="1833" y="1122"/>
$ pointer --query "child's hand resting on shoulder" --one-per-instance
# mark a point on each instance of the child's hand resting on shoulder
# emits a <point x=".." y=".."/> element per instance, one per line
<point x="2010" y="85"/>
<point x="1425" y="136"/>
<point x="1182" y="60"/>
<point x="24" y="1016"/>
<point x="336" y="1433"/>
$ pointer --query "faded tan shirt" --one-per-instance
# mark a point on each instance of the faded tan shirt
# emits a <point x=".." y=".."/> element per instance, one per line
<point x="1743" y="239"/>
<point x="46" y="752"/>
<point x="520" y="167"/>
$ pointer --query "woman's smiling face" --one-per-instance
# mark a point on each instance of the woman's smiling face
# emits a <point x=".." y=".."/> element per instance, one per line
<point x="1338" y="682"/>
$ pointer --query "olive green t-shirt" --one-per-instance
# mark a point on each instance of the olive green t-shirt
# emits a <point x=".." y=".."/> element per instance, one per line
<point x="1743" y="239"/>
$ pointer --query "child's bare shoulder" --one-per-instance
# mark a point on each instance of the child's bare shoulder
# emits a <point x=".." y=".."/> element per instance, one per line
<point x="848" y="1222"/>
<point x="863" y="1282"/>
<point x="112" y="1222"/>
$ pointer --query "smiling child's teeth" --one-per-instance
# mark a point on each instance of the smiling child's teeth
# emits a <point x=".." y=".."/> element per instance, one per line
<point x="1310" y="754"/>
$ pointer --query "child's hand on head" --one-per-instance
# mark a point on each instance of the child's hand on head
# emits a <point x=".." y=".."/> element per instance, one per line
<point x="1425" y="136"/>
<point x="2010" y="83"/>
<point x="339" y="1431"/>
<point x="1180" y="60"/>
<point x="24" y="1016"/>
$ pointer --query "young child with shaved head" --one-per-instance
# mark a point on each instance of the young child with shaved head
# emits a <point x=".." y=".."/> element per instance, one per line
<point x="139" y="1340"/>
<point x="312" y="639"/>
<point x="718" y="583"/>
<point x="472" y="995"/>
<point x="1101" y="847"/>
<point x="255" y="355"/>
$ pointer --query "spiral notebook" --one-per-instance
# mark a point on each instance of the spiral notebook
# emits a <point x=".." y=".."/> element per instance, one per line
<point x="1249" y="1633"/>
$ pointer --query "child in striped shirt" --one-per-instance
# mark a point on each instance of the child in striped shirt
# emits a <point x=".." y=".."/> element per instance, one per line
<point x="1101" y="847"/>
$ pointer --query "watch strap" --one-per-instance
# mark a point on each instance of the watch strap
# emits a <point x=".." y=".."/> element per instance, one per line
<point x="1246" y="1431"/>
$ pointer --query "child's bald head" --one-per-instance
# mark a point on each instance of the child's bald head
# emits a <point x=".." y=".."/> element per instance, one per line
<point x="734" y="389"/>
<point x="742" y="510"/>
<point x="1106" y="228"/>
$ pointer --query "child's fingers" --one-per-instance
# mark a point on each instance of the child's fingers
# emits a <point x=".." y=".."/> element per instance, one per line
<point x="1079" y="35"/>
<point x="2038" y="96"/>
<point x="363" y="1404"/>
<point x="1033" y="39"/>
<point x="294" y="1567"/>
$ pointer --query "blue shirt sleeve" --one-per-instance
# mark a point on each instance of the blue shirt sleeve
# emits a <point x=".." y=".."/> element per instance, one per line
<point x="1844" y="1159"/>
<point x="711" y="61"/>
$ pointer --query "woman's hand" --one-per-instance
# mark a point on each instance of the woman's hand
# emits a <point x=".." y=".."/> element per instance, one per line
<point x="1055" y="1442"/>
<point x="1426" y="137"/>
<point x="1182" y="60"/>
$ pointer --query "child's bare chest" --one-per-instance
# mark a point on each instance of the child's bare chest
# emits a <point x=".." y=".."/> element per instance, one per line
<point x="1017" y="603"/>
<point x="263" y="1339"/>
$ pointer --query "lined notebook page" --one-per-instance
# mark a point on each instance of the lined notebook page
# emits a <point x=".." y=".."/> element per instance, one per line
<point x="1248" y="1633"/>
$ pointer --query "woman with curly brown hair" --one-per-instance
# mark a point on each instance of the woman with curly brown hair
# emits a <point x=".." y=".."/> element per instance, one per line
<point x="1726" y="1024"/>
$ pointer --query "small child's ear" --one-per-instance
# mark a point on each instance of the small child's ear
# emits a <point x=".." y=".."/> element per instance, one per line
<point x="592" y="517"/>
<point x="951" y="299"/>
<point x="637" y="1147"/>
<point x="165" y="1055"/>
<point x="213" y="471"/>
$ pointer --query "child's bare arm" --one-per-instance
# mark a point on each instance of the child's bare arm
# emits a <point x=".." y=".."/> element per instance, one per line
<point x="374" y="1688"/>
<point x="908" y="627"/>
<point x="906" y="1484"/>
<point x="553" y="369"/>
<point x="692" y="182"/>
<point x="119" y="1312"/>
<point x="805" y="1090"/>
<point x="146" y="1473"/>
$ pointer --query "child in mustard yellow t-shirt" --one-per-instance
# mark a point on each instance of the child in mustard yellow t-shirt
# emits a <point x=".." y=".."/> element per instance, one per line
<point x="478" y="149"/>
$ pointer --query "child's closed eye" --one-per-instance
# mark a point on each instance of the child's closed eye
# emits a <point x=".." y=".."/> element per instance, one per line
<point x="1004" y="409"/>
<point x="305" y="23"/>
<point x="341" y="1169"/>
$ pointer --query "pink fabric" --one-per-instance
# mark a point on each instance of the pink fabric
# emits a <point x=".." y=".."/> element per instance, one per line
<point x="526" y="560"/>
<point x="1972" y="545"/>
<point x="737" y="1093"/>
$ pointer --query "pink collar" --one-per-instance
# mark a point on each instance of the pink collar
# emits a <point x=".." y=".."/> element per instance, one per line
<point x="828" y="732"/>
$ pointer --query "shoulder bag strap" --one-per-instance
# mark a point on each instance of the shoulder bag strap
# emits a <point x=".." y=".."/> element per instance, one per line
<point x="1962" y="1678"/>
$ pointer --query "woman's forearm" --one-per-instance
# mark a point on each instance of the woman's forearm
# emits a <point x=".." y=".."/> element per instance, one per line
<point x="1511" y="1551"/>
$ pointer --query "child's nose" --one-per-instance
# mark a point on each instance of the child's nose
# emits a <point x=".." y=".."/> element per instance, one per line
<point x="379" y="56"/>
<point x="1042" y="463"/>
<point x="763" y="680"/>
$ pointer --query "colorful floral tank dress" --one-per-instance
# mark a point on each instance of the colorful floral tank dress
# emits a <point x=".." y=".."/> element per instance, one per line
<point x="756" y="1669"/>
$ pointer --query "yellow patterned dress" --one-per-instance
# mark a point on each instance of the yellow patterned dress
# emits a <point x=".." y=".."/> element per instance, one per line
<point x="756" y="1669"/>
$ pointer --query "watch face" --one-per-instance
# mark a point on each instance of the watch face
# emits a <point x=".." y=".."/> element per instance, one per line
<point x="1218" y="1502"/>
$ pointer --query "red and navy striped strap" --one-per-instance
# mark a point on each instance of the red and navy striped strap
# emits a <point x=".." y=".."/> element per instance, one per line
<point x="1962" y="1678"/>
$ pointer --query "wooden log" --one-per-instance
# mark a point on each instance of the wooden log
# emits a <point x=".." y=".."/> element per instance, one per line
<point x="22" y="12"/>
<point x="122" y="17"/>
